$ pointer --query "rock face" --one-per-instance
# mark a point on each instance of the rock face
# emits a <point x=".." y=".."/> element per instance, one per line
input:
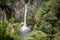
<point x="0" y="14"/>
<point x="18" y="8"/>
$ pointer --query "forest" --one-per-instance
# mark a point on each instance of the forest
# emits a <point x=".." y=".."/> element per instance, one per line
<point x="29" y="19"/>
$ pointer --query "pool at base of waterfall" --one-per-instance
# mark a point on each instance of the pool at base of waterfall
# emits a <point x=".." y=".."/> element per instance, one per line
<point x="24" y="30"/>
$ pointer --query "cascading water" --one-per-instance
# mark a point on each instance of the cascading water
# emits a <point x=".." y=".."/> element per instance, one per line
<point x="24" y="29"/>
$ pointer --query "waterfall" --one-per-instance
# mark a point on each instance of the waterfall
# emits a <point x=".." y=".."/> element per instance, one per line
<point x="24" y="29"/>
<point x="25" y="11"/>
<point x="24" y="25"/>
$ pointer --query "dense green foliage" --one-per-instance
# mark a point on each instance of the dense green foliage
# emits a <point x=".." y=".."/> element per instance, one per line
<point x="45" y="21"/>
